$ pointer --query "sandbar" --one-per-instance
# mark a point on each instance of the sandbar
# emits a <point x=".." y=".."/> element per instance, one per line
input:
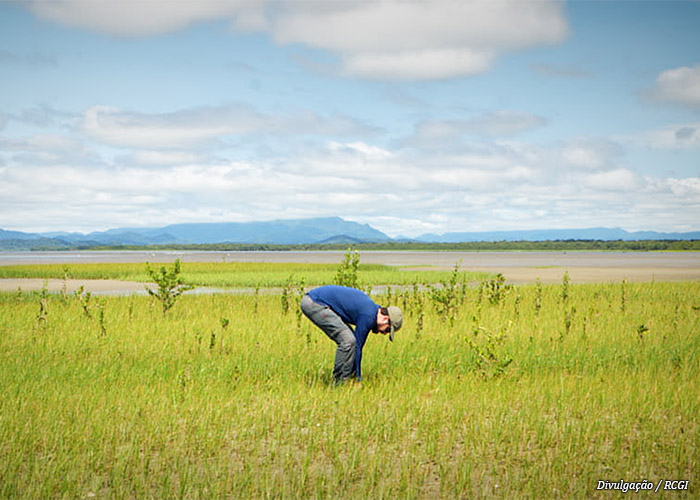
<point x="516" y="267"/>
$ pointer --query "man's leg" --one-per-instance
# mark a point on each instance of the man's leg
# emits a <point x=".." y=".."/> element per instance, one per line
<point x="340" y="333"/>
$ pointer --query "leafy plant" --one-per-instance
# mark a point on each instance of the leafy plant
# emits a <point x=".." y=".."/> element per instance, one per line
<point x="446" y="297"/>
<point x="346" y="275"/>
<point x="286" y="295"/>
<point x="101" y="317"/>
<point x="66" y="277"/>
<point x="170" y="285"/>
<point x="538" y="296"/>
<point x="299" y="293"/>
<point x="418" y="300"/>
<point x="569" y="315"/>
<point x="43" y="312"/>
<point x="490" y="362"/>
<point x="496" y="289"/>
<point x="84" y="298"/>
<point x="565" y="282"/>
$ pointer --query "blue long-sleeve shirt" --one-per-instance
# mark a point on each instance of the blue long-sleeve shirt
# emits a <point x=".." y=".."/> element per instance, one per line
<point x="355" y="308"/>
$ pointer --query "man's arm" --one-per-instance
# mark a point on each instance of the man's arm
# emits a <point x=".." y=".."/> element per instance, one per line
<point x="361" y="332"/>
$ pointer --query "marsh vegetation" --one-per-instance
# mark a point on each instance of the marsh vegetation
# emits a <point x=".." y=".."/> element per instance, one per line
<point x="528" y="391"/>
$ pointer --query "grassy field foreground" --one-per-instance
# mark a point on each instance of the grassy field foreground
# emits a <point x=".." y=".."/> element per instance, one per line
<point x="539" y="391"/>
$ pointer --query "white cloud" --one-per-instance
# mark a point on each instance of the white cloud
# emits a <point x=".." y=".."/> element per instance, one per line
<point x="417" y="64"/>
<point x="591" y="154"/>
<point x="685" y="187"/>
<point x="190" y="127"/>
<point x="49" y="149"/>
<point x="366" y="150"/>
<point x="163" y="158"/>
<point x="170" y="130"/>
<point x="420" y="40"/>
<point x="613" y="180"/>
<point x="143" y="17"/>
<point x="47" y="116"/>
<point x="441" y="134"/>
<point x="680" y="136"/>
<point x="679" y="85"/>
<point x="480" y="187"/>
<point x="44" y="198"/>
<point x="112" y="166"/>
<point x="504" y="123"/>
<point x="387" y="40"/>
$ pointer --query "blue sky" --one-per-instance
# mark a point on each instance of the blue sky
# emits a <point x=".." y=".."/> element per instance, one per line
<point x="412" y="116"/>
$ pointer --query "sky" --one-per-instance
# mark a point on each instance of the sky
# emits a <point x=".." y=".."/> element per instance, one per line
<point x="413" y="116"/>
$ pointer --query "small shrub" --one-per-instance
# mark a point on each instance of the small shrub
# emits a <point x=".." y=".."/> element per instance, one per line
<point x="101" y="317"/>
<point x="346" y="275"/>
<point x="170" y="285"/>
<point x="490" y="361"/>
<point x="496" y="289"/>
<point x="565" y="282"/>
<point x="84" y="298"/>
<point x="447" y="297"/>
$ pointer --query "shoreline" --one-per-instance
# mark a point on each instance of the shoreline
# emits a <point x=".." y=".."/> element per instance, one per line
<point x="517" y="276"/>
<point x="519" y="268"/>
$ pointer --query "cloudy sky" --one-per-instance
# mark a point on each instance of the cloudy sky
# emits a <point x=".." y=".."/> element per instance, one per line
<point x="414" y="116"/>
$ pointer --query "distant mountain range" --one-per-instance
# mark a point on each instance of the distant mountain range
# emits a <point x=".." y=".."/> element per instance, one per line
<point x="596" y="233"/>
<point x="276" y="232"/>
<point x="298" y="232"/>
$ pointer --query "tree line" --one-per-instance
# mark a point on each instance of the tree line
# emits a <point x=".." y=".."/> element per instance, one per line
<point x="475" y="246"/>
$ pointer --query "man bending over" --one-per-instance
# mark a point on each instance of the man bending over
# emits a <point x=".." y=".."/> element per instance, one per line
<point x="335" y="309"/>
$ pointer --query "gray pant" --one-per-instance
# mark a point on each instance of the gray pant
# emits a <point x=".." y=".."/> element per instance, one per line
<point x="338" y="331"/>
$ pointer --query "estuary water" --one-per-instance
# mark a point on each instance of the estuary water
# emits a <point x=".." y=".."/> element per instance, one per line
<point x="678" y="260"/>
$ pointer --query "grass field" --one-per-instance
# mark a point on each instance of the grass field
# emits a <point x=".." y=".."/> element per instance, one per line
<point x="231" y="274"/>
<point x="535" y="391"/>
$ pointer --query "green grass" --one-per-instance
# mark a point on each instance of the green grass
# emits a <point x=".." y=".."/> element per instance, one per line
<point x="145" y="405"/>
<point x="232" y="274"/>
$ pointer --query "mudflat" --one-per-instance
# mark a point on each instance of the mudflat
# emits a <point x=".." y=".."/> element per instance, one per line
<point x="517" y="267"/>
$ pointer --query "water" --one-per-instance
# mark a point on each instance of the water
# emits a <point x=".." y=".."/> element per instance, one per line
<point x="469" y="260"/>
